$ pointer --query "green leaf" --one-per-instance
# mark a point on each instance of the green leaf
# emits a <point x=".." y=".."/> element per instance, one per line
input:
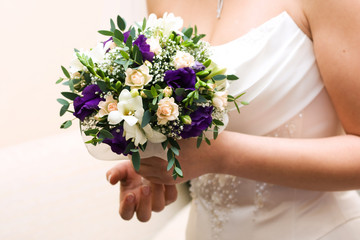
<point x="106" y="33"/>
<point x="118" y="35"/>
<point x="207" y="63"/>
<point x="70" y="95"/>
<point x="59" y="80"/>
<point x="105" y="134"/>
<point x="216" y="132"/>
<point x="63" y="109"/>
<point x="143" y="24"/>
<point x="102" y="85"/>
<point x="100" y="73"/>
<point x="91" y="132"/>
<point x="174" y="143"/>
<point x="164" y="144"/>
<point x="197" y="38"/>
<point x="62" y="101"/>
<point x="179" y="172"/>
<point x="207" y="141"/>
<point x="66" y="73"/>
<point x="118" y="42"/>
<point x="175" y="150"/>
<point x="154" y="101"/>
<point x="232" y="77"/>
<point x="112" y="24"/>
<point x="66" y="124"/>
<point x="148" y="93"/>
<point x="71" y="85"/>
<point x="129" y="42"/>
<point x="244" y="103"/>
<point x="169" y="155"/>
<point x="128" y="148"/>
<point x="179" y="91"/>
<point x="170" y="164"/>
<point x="121" y="23"/>
<point x="219" y="77"/>
<point x="136" y="160"/>
<point x="137" y="55"/>
<point x="218" y="122"/>
<point x="188" y="32"/>
<point x="146" y="118"/>
<point x="237" y="106"/>
<point x="199" y="140"/>
<point x="124" y="54"/>
<point x="132" y="32"/>
<point x="153" y="91"/>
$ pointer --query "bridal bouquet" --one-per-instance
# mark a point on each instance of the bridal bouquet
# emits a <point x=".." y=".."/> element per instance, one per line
<point x="147" y="83"/>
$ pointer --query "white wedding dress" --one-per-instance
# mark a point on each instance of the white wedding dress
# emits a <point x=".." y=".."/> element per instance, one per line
<point x="277" y="69"/>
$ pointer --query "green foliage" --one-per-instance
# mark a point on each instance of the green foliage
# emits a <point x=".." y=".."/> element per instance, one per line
<point x="105" y="134"/>
<point x="135" y="158"/>
<point x="106" y="33"/>
<point x="66" y="124"/>
<point x="70" y="95"/>
<point x="121" y="23"/>
<point x="66" y="73"/>
<point x="146" y="118"/>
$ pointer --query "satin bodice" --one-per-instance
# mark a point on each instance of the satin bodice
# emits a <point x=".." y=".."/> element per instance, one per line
<point x="277" y="69"/>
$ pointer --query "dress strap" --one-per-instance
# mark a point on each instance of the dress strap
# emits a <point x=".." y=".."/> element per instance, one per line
<point x="219" y="8"/>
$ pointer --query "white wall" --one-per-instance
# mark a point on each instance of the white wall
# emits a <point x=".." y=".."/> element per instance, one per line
<point x="36" y="38"/>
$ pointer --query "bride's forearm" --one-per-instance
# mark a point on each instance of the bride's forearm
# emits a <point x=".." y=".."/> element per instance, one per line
<point x="316" y="164"/>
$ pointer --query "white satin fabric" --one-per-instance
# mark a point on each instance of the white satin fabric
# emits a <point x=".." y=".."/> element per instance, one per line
<point x="278" y="72"/>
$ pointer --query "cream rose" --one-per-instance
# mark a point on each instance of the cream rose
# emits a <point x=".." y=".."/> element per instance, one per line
<point x="137" y="78"/>
<point x="107" y="106"/>
<point x="168" y="110"/>
<point x="183" y="59"/>
<point x="220" y="100"/>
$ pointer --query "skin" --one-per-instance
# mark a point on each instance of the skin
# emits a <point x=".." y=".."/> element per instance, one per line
<point x="324" y="164"/>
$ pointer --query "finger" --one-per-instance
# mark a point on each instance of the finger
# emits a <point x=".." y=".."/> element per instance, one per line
<point x="143" y="211"/>
<point x="170" y="194"/>
<point x="157" y="197"/>
<point x="127" y="207"/>
<point x="118" y="173"/>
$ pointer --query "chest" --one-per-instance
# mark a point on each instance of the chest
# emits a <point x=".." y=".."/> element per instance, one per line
<point x="237" y="16"/>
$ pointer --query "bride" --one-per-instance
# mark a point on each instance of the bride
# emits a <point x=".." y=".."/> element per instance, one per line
<point x="283" y="169"/>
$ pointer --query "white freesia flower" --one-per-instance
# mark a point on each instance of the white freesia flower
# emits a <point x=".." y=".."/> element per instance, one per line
<point x="75" y="65"/>
<point x="134" y="132"/>
<point x="130" y="107"/>
<point x="97" y="54"/>
<point x="153" y="135"/>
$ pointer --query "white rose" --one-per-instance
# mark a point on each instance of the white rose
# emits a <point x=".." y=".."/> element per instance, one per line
<point x="167" y="110"/>
<point x="137" y="78"/>
<point x="107" y="106"/>
<point x="183" y="59"/>
<point x="220" y="100"/>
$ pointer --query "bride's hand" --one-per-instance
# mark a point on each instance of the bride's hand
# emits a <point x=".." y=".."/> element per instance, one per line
<point x="194" y="163"/>
<point x="137" y="194"/>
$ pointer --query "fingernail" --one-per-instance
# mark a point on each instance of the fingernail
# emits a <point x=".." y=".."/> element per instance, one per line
<point x="146" y="190"/>
<point x="108" y="178"/>
<point x="130" y="198"/>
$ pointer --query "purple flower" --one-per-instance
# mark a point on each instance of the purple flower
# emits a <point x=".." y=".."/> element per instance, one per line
<point x="86" y="105"/>
<point x="104" y="43"/>
<point x="144" y="48"/>
<point x="181" y="78"/>
<point x="200" y="120"/>
<point x="126" y="35"/>
<point x="118" y="144"/>
<point x="198" y="66"/>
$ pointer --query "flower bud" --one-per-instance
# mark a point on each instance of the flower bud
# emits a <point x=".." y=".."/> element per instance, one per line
<point x="186" y="119"/>
<point x="134" y="92"/>
<point x="168" y="91"/>
<point x="142" y="94"/>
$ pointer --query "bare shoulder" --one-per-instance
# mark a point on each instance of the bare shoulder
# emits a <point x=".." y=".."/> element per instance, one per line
<point x="158" y="6"/>
<point x="335" y="30"/>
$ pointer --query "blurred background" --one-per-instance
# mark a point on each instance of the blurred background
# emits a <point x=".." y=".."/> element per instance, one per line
<point x="50" y="187"/>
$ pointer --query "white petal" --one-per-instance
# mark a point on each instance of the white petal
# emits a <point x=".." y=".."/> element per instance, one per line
<point x="154" y="136"/>
<point x="124" y="95"/>
<point x="114" y="117"/>
<point x="131" y="120"/>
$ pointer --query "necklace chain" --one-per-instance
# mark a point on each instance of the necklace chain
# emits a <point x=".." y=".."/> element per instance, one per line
<point x="219" y="8"/>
